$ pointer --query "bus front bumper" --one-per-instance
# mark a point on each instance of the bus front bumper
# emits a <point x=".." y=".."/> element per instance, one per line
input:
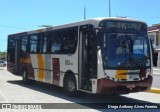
<point x="106" y="86"/>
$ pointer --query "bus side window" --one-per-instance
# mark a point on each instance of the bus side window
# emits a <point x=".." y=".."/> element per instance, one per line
<point x="24" y="43"/>
<point x="43" y="43"/>
<point x="33" y="43"/>
<point x="69" y="41"/>
<point x="55" y="43"/>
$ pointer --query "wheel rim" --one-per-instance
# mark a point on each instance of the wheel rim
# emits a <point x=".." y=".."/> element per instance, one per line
<point x="71" y="85"/>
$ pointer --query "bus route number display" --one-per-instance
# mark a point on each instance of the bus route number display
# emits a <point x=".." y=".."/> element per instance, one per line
<point x="123" y="26"/>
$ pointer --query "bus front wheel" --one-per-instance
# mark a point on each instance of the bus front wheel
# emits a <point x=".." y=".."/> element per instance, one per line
<point x="70" y="86"/>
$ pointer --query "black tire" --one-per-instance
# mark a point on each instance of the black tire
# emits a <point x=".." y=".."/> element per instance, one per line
<point x="70" y="86"/>
<point x="25" y="76"/>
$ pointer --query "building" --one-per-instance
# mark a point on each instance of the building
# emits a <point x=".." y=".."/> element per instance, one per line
<point x="154" y="35"/>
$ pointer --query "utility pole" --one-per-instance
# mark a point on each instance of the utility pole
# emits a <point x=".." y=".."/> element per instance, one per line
<point x="84" y="10"/>
<point x="109" y="8"/>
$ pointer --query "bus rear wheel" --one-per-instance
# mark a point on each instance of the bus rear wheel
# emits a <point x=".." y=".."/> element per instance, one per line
<point x="70" y="86"/>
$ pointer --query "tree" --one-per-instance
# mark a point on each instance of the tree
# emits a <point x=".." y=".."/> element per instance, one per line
<point x="3" y="55"/>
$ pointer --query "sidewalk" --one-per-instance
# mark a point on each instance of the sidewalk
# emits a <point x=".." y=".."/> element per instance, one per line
<point x="156" y="80"/>
<point x="156" y="70"/>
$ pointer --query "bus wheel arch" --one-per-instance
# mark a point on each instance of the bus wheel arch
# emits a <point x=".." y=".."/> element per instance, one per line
<point x="70" y="84"/>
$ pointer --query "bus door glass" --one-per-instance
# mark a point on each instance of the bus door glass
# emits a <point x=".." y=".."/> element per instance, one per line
<point x="86" y="59"/>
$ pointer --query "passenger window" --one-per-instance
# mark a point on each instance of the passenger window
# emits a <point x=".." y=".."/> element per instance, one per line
<point x="24" y="43"/>
<point x="43" y="44"/>
<point x="64" y="41"/>
<point x="69" y="41"/>
<point x="11" y="43"/>
<point x="56" y="43"/>
<point x="33" y="43"/>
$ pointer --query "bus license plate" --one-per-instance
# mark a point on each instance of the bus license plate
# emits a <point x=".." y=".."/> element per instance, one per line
<point x="131" y="86"/>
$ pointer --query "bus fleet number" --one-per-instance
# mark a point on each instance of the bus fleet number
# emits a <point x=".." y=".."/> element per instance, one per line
<point x="67" y="62"/>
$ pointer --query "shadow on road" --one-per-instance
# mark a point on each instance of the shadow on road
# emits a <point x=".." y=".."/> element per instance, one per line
<point x="91" y="101"/>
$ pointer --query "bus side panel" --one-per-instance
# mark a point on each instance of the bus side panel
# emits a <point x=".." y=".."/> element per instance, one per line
<point x="47" y="65"/>
<point x="25" y="63"/>
<point x="42" y="68"/>
<point x="49" y="68"/>
<point x="61" y="64"/>
<point x="38" y="66"/>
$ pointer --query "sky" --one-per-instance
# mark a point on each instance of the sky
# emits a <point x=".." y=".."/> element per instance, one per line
<point x="25" y="15"/>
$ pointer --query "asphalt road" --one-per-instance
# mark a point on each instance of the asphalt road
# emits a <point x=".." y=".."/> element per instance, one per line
<point x="13" y="90"/>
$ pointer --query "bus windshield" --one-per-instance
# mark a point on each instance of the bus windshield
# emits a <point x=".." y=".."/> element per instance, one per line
<point x="125" y="51"/>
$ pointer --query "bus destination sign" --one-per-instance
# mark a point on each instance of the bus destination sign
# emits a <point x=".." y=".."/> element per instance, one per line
<point x="123" y="26"/>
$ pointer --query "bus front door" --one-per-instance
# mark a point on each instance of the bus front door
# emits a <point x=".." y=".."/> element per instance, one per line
<point x="85" y="59"/>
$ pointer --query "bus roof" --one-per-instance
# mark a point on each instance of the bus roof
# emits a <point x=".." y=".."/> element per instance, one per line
<point x="94" y="21"/>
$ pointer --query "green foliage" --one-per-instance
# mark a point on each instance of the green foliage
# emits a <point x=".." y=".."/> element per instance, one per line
<point x="3" y="55"/>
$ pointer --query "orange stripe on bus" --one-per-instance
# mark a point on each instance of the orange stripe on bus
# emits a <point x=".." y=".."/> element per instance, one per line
<point x="121" y="74"/>
<point x="40" y="66"/>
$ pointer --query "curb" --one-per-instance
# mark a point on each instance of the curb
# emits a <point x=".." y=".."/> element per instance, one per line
<point x="154" y="90"/>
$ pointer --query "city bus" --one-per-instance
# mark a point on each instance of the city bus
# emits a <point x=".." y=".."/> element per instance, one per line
<point x="82" y="56"/>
